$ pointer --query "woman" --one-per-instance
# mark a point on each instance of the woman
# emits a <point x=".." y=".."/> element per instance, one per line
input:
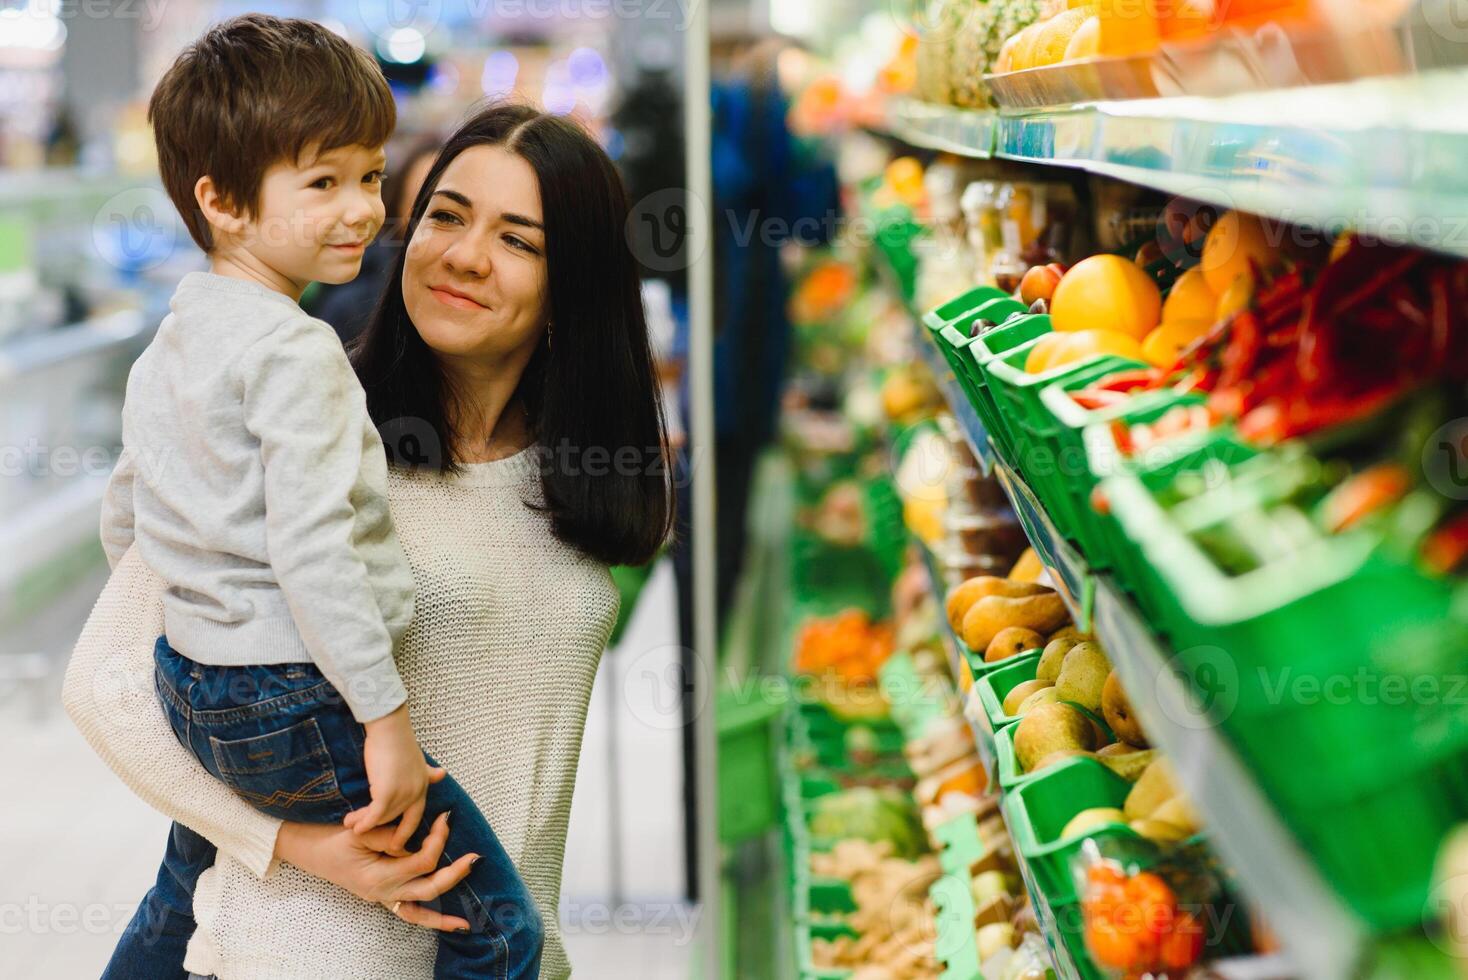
<point x="508" y="366"/>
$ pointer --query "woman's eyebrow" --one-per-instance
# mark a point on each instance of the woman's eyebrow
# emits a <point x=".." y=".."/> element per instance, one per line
<point x="519" y="219"/>
<point x="456" y="197"/>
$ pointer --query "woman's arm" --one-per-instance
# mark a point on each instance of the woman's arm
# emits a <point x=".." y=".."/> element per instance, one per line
<point x="109" y="695"/>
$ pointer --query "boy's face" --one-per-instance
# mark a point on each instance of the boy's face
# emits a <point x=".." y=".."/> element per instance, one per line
<point x="317" y="216"/>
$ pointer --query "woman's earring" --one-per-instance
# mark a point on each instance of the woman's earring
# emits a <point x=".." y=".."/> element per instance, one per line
<point x="549" y="329"/>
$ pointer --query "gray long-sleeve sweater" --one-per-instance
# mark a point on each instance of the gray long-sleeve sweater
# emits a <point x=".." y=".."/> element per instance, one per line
<point x="254" y="483"/>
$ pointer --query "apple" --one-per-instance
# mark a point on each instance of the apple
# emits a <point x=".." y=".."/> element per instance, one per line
<point x="1039" y="283"/>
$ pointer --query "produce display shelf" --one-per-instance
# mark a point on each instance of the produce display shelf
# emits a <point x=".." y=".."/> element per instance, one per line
<point x="1071" y="578"/>
<point x="1322" y="938"/>
<point x="967" y="132"/>
<point x="958" y="403"/>
<point x="1383" y="155"/>
<point x="29" y="353"/>
<point x="1065" y="964"/>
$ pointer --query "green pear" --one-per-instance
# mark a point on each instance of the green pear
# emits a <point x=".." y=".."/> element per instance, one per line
<point x="1127" y="761"/>
<point x="1048" y="729"/>
<point x="1083" y="676"/>
<point x="1048" y="669"/>
<point x="1088" y="820"/>
<point x="1019" y="692"/>
<point x="1046" y="695"/>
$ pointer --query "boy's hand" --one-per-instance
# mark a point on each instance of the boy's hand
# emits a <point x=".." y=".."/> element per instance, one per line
<point x="398" y="776"/>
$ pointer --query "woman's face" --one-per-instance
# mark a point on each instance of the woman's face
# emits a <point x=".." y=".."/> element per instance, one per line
<point x="474" y="279"/>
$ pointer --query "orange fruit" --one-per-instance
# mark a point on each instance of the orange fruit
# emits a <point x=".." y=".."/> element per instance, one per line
<point x="1162" y="346"/>
<point x="1054" y="37"/>
<point x="1190" y="299"/>
<point x="1128" y="27"/>
<point x="1106" y="292"/>
<point x="1235" y="244"/>
<point x="1046" y="349"/>
<point x="1086" y="343"/>
<point x="1086" y="41"/>
<point x="1235" y="298"/>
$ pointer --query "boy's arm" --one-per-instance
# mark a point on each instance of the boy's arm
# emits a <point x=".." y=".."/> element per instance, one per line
<point x="109" y="695"/>
<point x="303" y="402"/>
<point x="117" y="509"/>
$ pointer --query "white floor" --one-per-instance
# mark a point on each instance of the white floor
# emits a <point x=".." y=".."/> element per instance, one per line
<point x="77" y="850"/>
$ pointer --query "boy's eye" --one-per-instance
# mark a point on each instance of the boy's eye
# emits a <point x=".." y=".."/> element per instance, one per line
<point x="375" y="177"/>
<point x="321" y="183"/>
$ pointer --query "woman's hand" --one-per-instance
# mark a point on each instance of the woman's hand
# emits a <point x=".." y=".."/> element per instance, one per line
<point x="368" y="866"/>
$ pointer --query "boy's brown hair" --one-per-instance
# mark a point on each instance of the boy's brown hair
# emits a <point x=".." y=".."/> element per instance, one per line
<point x="254" y="91"/>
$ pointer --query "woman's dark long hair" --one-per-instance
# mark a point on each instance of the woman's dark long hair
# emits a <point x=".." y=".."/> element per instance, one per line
<point x="591" y="391"/>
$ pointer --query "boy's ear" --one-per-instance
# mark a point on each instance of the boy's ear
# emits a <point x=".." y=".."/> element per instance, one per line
<point x="216" y="209"/>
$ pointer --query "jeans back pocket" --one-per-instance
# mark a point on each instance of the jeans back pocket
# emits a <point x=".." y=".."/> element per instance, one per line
<point x="288" y="773"/>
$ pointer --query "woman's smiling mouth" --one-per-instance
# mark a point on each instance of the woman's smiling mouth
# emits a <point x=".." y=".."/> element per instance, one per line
<point x="449" y="296"/>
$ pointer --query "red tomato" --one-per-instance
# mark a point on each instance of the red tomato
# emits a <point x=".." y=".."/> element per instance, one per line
<point x="1183" y="946"/>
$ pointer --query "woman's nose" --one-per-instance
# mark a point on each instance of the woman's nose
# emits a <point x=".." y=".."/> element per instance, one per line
<point x="468" y="256"/>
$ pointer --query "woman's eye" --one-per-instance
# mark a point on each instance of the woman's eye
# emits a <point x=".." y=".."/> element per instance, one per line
<point x="448" y="217"/>
<point x="521" y="244"/>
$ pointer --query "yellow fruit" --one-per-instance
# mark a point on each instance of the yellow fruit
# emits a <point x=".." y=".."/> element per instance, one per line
<point x="1106" y="292"/>
<point x="1190" y="299"/>
<point x="1004" y="61"/>
<point x="1055" y="37"/>
<point x="1086" y="41"/>
<point x="1044" y="351"/>
<point x="905" y="177"/>
<point x="1235" y="244"/>
<point x="1162" y="346"/>
<point x="1087" y="343"/>
<point x="1235" y="298"/>
<point x="1023" y="55"/>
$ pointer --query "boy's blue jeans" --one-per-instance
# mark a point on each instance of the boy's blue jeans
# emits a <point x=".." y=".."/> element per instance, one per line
<point x="282" y="738"/>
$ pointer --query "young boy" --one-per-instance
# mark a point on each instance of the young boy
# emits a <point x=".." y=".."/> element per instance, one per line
<point x="253" y="481"/>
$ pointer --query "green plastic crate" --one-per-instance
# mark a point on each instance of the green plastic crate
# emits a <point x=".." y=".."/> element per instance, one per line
<point x="955" y="342"/>
<point x="1001" y="340"/>
<point x="995" y="686"/>
<point x="1077" y="481"/>
<point x="1010" y="776"/>
<point x="748" y="804"/>
<point x="945" y="313"/>
<point x="1213" y="452"/>
<point x="1369" y="785"/>
<point x="1037" y="447"/>
<point x="1038" y="810"/>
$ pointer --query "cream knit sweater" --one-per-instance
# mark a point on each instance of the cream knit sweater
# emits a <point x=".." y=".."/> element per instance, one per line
<point x="498" y="662"/>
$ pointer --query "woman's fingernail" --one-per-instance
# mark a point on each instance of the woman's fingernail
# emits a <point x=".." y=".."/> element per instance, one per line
<point x="476" y="860"/>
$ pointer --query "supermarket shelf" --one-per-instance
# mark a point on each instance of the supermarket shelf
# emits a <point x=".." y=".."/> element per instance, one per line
<point x="1383" y="155"/>
<point x="49" y="537"/>
<point x="958" y="403"/>
<point x="29" y="353"/>
<point x="54" y="191"/>
<point x="1321" y="937"/>
<point x="1071" y="577"/>
<point x="967" y="132"/>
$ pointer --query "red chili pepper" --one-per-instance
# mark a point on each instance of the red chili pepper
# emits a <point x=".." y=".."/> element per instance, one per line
<point x="1364" y="494"/>
<point x="1094" y="398"/>
<point x="1130" y="380"/>
<point x="1445" y="548"/>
